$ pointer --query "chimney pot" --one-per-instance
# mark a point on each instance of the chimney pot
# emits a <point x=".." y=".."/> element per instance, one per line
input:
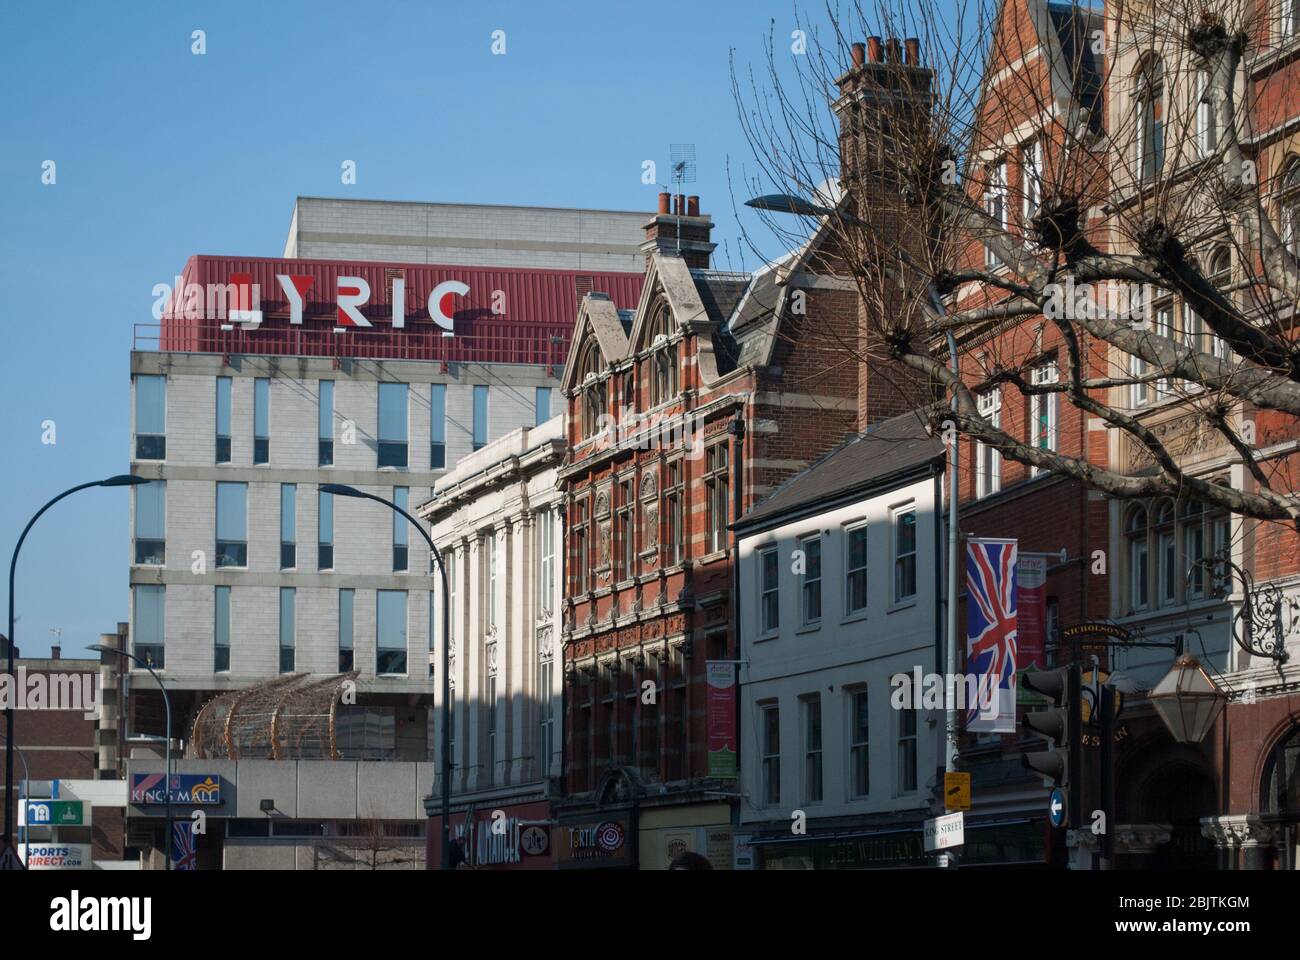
<point x="873" y="50"/>
<point x="912" y="48"/>
<point x="893" y="50"/>
<point x="663" y="202"/>
<point x="692" y="206"/>
<point x="859" y="54"/>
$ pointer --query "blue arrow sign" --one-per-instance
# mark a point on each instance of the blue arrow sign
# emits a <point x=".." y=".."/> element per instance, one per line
<point x="1056" y="808"/>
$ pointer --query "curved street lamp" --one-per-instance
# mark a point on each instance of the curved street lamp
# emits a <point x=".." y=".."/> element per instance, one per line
<point x="167" y="706"/>
<point x="121" y="480"/>
<point x="343" y="490"/>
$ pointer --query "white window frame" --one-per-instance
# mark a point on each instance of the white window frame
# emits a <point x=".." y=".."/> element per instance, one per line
<point x="1043" y="375"/>
<point x="764" y="591"/>
<point x="995" y="205"/>
<point x="850" y="570"/>
<point x="988" y="460"/>
<point x="770" y="755"/>
<point x="895" y="520"/>
<point x="808" y="585"/>
<point x="1032" y="176"/>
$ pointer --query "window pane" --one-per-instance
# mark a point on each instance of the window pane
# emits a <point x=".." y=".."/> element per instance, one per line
<point x="287" y="597"/>
<point x="392" y="412"/>
<point x="401" y="526"/>
<point x="543" y="405"/>
<point x="261" y="407"/>
<point x="221" y="628"/>
<point x="232" y="516"/>
<point x="150" y="617"/>
<point x="391" y="631"/>
<point x="480" y="416"/>
<point x="325" y="520"/>
<point x="151" y="405"/>
<point x="223" y="406"/>
<point x="346" y="600"/>
<point x="325" y="428"/>
<point x="151" y="510"/>
<point x="288" y="512"/>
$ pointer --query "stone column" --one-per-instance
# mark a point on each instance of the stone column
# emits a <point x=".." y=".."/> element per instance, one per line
<point x="1244" y="840"/>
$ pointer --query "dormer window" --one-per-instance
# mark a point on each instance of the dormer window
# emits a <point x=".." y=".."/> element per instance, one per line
<point x="592" y="399"/>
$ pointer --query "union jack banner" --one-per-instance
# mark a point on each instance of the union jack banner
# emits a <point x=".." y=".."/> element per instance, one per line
<point x="184" y="856"/>
<point x="991" y="633"/>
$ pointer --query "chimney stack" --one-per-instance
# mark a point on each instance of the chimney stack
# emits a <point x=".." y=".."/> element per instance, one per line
<point x="662" y="232"/>
<point x="873" y="50"/>
<point x="893" y="51"/>
<point x="912" y="48"/>
<point x="859" y="54"/>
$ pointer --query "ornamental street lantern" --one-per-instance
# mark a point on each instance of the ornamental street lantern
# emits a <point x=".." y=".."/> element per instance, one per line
<point x="1188" y="700"/>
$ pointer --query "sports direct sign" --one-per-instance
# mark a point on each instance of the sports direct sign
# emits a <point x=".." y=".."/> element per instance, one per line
<point x="55" y="856"/>
<point x="240" y="301"/>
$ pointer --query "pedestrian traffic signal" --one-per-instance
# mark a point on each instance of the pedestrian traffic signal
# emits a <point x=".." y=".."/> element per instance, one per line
<point x="1060" y="725"/>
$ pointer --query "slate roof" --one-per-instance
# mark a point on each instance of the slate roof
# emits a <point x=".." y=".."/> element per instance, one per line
<point x="891" y="448"/>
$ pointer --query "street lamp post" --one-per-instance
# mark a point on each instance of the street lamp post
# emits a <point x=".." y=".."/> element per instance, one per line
<point x="343" y="490"/>
<point x="167" y="706"/>
<point x="121" y="480"/>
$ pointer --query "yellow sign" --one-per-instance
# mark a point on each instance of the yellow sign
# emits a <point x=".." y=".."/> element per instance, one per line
<point x="956" y="791"/>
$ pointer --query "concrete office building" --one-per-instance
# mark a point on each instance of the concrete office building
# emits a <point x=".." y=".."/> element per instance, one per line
<point x="496" y="519"/>
<point x="266" y="378"/>
<point x="554" y="238"/>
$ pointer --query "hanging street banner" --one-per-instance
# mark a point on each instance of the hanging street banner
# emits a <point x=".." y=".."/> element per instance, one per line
<point x="1031" y="610"/>
<point x="991" y="632"/>
<point x="721" y="706"/>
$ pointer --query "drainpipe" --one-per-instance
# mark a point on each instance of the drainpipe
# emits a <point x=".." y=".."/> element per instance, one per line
<point x="737" y="429"/>
<point x="950" y="710"/>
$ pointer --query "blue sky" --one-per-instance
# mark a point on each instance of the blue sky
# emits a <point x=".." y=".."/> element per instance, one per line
<point x="161" y="154"/>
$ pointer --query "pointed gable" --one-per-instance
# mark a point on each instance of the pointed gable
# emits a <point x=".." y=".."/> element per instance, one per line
<point x="599" y="323"/>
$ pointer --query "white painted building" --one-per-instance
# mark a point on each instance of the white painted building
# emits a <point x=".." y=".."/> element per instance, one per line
<point x="496" y="519"/>
<point x="840" y="594"/>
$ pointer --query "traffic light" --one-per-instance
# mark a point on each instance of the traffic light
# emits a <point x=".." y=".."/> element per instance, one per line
<point x="1060" y="725"/>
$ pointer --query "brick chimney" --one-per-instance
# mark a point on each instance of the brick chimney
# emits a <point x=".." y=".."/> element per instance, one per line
<point x="663" y="230"/>
<point x="885" y="91"/>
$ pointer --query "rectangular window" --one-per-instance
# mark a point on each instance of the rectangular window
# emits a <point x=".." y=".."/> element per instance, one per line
<point x="261" y="420"/>
<point x="151" y="523"/>
<point x="480" y="416"/>
<point x="546" y="733"/>
<point x="1032" y="171"/>
<point x="150" y="417"/>
<point x="392" y="425"/>
<point x="288" y="600"/>
<point x="288" y="526"/>
<point x="324" y="531"/>
<point x="769" y="590"/>
<point x="609" y="685"/>
<point x="1207" y="123"/>
<point x="855" y="567"/>
<point x="1165" y="327"/>
<point x="221" y="630"/>
<point x="812" y="753"/>
<point x="453" y="611"/>
<point x="232" y="524"/>
<point x="904" y="555"/>
<point x="223" y="419"/>
<point x="347" y="600"/>
<point x="581" y="551"/>
<point x="859" y="737"/>
<point x="401" y="529"/>
<point x="624" y="512"/>
<point x="812" y="580"/>
<point x="390" y="629"/>
<point x="542" y="406"/>
<point x="545" y="561"/>
<point x="438" y="426"/>
<point x="491" y="707"/>
<point x="673" y="492"/>
<point x="148" y="630"/>
<point x="650" y="720"/>
<point x="771" y="727"/>
<point x="493" y="577"/>
<point x="679" y="745"/>
<point x="716" y="486"/>
<point x="995" y="204"/>
<point x="988" y="461"/>
<point x="906" y="751"/>
<point x="629" y="740"/>
<point x="1042" y="410"/>
<point x="325" y="426"/>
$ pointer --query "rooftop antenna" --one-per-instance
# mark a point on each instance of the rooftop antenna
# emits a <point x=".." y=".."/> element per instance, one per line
<point x="682" y="158"/>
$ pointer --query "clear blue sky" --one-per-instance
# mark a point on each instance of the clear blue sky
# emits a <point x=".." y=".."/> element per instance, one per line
<point x="162" y="154"/>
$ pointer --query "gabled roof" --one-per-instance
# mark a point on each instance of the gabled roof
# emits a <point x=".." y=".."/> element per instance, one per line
<point x="891" y="451"/>
<point x="597" y="313"/>
<point x="1065" y="34"/>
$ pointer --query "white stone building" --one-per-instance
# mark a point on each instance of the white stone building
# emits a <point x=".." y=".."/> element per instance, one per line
<point x="839" y="595"/>
<point x="496" y="519"/>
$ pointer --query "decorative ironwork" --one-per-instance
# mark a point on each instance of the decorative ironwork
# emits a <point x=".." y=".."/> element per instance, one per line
<point x="1266" y="617"/>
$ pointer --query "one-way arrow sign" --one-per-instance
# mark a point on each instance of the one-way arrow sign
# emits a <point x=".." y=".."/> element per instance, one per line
<point x="1056" y="808"/>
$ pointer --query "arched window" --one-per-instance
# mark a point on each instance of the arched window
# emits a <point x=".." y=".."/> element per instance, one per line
<point x="592" y="390"/>
<point x="1221" y="276"/>
<point x="1138" y="565"/>
<point x="663" y="361"/>
<point x="1167" y="571"/>
<point x="1282" y="777"/>
<point x="1149" y="110"/>
<point x="1291" y="207"/>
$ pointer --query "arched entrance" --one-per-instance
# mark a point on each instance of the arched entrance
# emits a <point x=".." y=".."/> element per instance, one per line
<point x="1179" y="793"/>
<point x="1279" y="800"/>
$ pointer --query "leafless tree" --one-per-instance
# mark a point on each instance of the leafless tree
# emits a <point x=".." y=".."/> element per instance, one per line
<point x="1148" y="230"/>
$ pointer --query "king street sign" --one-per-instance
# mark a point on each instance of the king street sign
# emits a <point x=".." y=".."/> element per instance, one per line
<point x="944" y="832"/>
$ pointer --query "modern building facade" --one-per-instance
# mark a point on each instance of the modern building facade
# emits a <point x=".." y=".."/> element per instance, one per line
<point x="840" y="613"/>
<point x="497" y="522"/>
<point x="265" y="379"/>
